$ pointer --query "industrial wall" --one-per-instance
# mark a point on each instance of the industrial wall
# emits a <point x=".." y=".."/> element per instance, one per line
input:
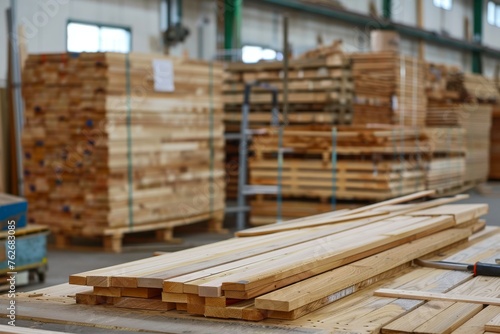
<point x="45" y="25"/>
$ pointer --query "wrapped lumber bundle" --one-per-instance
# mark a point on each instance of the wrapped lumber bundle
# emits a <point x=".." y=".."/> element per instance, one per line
<point x="325" y="266"/>
<point x="320" y="92"/>
<point x="117" y="143"/>
<point x="495" y="144"/>
<point x="390" y="89"/>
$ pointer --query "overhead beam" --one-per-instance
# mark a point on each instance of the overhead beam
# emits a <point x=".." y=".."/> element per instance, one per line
<point x="364" y="21"/>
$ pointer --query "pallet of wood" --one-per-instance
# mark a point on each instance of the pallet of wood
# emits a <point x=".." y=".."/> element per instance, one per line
<point x="309" y="266"/>
<point x="389" y="89"/>
<point x="115" y="144"/>
<point x="495" y="144"/>
<point x="320" y="92"/>
<point x="437" y="77"/>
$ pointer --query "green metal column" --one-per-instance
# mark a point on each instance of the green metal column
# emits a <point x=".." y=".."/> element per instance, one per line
<point x="232" y="24"/>
<point x="387" y="9"/>
<point x="477" y="35"/>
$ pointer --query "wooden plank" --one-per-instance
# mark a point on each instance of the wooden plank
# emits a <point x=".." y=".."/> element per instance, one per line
<point x="476" y="325"/>
<point x="421" y="295"/>
<point x="321" y="286"/>
<point x="493" y="325"/>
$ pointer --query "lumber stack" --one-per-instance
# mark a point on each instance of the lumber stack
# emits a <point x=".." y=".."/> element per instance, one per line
<point x="292" y="269"/>
<point x="477" y="127"/>
<point x="351" y="163"/>
<point x="320" y="91"/>
<point x="390" y="89"/>
<point x="437" y="77"/>
<point x="109" y="150"/>
<point x="495" y="144"/>
<point x="474" y="88"/>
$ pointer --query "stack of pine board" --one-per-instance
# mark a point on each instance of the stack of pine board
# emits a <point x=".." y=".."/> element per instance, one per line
<point x="436" y="81"/>
<point x="446" y="165"/>
<point x="389" y="89"/>
<point x="477" y="127"/>
<point x="107" y="152"/>
<point x="288" y="270"/>
<point x="320" y="91"/>
<point x="362" y="311"/>
<point x="352" y="163"/>
<point x="495" y="144"/>
<point x="474" y="88"/>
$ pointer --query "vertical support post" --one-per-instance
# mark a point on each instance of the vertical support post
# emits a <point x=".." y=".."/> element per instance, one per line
<point x="232" y="25"/>
<point x="17" y="97"/>
<point x="387" y="9"/>
<point x="477" y="35"/>
<point x="420" y="24"/>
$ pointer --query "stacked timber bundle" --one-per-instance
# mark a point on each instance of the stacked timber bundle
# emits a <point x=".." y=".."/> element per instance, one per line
<point x="495" y="144"/>
<point x="323" y="266"/>
<point x="390" y="89"/>
<point x="474" y="88"/>
<point x="320" y="92"/>
<point x="437" y="77"/>
<point x="116" y="143"/>
<point x="477" y="127"/>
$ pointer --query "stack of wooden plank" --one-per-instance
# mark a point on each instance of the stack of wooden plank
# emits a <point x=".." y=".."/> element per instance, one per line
<point x="474" y="88"/>
<point x="115" y="143"/>
<point x="320" y="91"/>
<point x="389" y="89"/>
<point x="437" y="77"/>
<point x="351" y="163"/>
<point x="292" y="269"/>
<point x="477" y="127"/>
<point x="495" y="144"/>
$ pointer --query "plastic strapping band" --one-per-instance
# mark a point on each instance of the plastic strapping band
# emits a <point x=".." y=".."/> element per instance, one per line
<point x="334" y="168"/>
<point x="211" y="140"/>
<point x="279" y="194"/>
<point x="129" y="145"/>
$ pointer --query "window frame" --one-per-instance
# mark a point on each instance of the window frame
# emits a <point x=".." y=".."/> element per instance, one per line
<point x="99" y="25"/>
<point x="438" y="4"/>
<point x="496" y="10"/>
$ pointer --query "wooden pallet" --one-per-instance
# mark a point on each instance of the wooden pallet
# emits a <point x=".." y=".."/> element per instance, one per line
<point x="112" y="239"/>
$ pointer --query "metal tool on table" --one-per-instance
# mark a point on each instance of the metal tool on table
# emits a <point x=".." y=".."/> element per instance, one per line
<point x="478" y="268"/>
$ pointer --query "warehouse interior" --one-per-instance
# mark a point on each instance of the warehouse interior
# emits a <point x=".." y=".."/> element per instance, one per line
<point x="250" y="166"/>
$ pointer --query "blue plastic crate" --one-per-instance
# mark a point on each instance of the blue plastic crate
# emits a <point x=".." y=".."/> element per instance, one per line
<point x="31" y="250"/>
<point x="12" y="207"/>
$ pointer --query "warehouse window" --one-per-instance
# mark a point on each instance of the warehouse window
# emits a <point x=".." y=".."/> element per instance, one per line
<point x="494" y="13"/>
<point x="254" y="54"/>
<point x="86" y="37"/>
<point x="445" y="4"/>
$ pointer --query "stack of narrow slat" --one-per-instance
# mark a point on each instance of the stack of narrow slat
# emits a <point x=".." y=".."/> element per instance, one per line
<point x="289" y="270"/>
<point x="389" y="89"/>
<point x="320" y="91"/>
<point x="106" y="152"/>
<point x="495" y="144"/>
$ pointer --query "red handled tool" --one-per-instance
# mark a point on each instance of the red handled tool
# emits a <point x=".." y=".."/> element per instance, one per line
<point x="478" y="268"/>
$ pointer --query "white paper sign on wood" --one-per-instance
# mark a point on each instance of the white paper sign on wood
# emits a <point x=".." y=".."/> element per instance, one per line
<point x="163" y="75"/>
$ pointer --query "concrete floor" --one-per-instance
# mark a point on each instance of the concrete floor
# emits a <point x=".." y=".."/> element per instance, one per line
<point x="64" y="263"/>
